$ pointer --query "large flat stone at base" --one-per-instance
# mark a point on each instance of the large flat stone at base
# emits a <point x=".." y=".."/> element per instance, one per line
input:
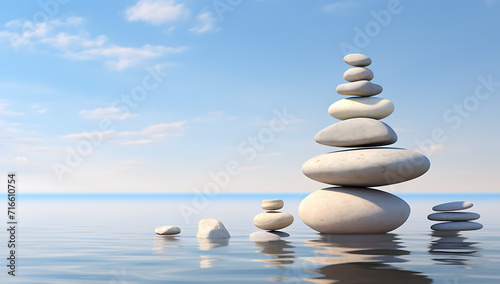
<point x="352" y="210"/>
<point x="366" y="167"/>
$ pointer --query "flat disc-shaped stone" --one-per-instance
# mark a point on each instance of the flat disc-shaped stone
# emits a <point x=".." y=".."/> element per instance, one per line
<point x="457" y="226"/>
<point x="357" y="132"/>
<point x="453" y="216"/>
<point x="357" y="59"/>
<point x="370" y="107"/>
<point x="452" y="206"/>
<point x="366" y="167"/>
<point x="362" y="88"/>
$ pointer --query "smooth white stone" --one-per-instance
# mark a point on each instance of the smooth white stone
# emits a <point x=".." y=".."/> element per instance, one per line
<point x="351" y="210"/>
<point x="358" y="73"/>
<point x="210" y="228"/>
<point x="366" y="167"/>
<point x="168" y="230"/>
<point x="272" y="204"/>
<point x="457" y="226"/>
<point x="362" y="88"/>
<point x="265" y="236"/>
<point x="370" y="107"/>
<point x="357" y="59"/>
<point x="452" y="206"/>
<point x="453" y="216"/>
<point x="357" y="132"/>
<point x="273" y="220"/>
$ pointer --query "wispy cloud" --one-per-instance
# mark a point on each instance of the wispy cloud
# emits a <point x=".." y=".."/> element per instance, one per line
<point x="4" y="111"/>
<point x="110" y="112"/>
<point x="69" y="39"/>
<point x="338" y="8"/>
<point x="205" y="22"/>
<point x="39" y="109"/>
<point x="147" y="135"/>
<point x="157" y="12"/>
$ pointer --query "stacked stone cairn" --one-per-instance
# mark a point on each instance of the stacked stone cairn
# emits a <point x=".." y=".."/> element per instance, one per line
<point x="271" y="221"/>
<point x="454" y="221"/>
<point x="352" y="207"/>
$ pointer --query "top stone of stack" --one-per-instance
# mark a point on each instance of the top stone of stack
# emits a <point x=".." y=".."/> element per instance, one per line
<point x="357" y="59"/>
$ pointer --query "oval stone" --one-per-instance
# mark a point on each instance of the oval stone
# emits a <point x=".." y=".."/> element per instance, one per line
<point x="357" y="59"/>
<point x="351" y="210"/>
<point x="357" y="132"/>
<point x="273" y="220"/>
<point x="452" y="206"/>
<point x="457" y="226"/>
<point x="272" y="204"/>
<point x="366" y="167"/>
<point x="267" y="236"/>
<point x="358" y="73"/>
<point x="370" y="107"/>
<point x="168" y="230"/>
<point x="361" y="88"/>
<point x="453" y="216"/>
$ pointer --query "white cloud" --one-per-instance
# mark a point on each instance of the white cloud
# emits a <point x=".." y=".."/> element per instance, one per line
<point x="21" y="160"/>
<point x="157" y="12"/>
<point x="339" y="7"/>
<point x="110" y="112"/>
<point x="204" y="22"/>
<point x="147" y="135"/>
<point x="69" y="39"/>
<point x="39" y="109"/>
<point x="431" y="149"/>
<point x="4" y="111"/>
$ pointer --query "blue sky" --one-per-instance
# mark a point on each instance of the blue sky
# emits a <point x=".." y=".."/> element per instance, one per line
<point x="226" y="96"/>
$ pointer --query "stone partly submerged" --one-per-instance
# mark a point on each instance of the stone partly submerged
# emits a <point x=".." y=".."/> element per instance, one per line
<point x="366" y="167"/>
<point x="210" y="228"/>
<point x="273" y="220"/>
<point x="267" y="236"/>
<point x="349" y="210"/>
<point x="357" y="132"/>
<point x="370" y="107"/>
<point x="362" y="88"/>
<point x="168" y="230"/>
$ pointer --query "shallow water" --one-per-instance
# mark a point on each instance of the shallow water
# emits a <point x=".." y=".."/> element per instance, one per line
<point x="112" y="240"/>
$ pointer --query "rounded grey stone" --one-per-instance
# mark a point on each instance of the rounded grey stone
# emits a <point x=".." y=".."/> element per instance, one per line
<point x="210" y="228"/>
<point x="370" y="107"/>
<point x="272" y="220"/>
<point x="457" y="226"/>
<point x="353" y="210"/>
<point x="453" y="206"/>
<point x="267" y="236"/>
<point x="357" y="132"/>
<point x="366" y="167"/>
<point x="453" y="216"/>
<point x="358" y="73"/>
<point x="361" y="88"/>
<point x="168" y="230"/>
<point x="357" y="59"/>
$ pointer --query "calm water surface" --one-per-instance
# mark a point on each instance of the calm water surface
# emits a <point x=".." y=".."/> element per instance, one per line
<point x="111" y="240"/>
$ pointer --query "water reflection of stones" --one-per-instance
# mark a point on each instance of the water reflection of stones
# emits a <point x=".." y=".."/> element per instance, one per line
<point x="162" y="244"/>
<point x="208" y="244"/>
<point x="455" y="247"/>
<point x="361" y="259"/>
<point x="279" y="251"/>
